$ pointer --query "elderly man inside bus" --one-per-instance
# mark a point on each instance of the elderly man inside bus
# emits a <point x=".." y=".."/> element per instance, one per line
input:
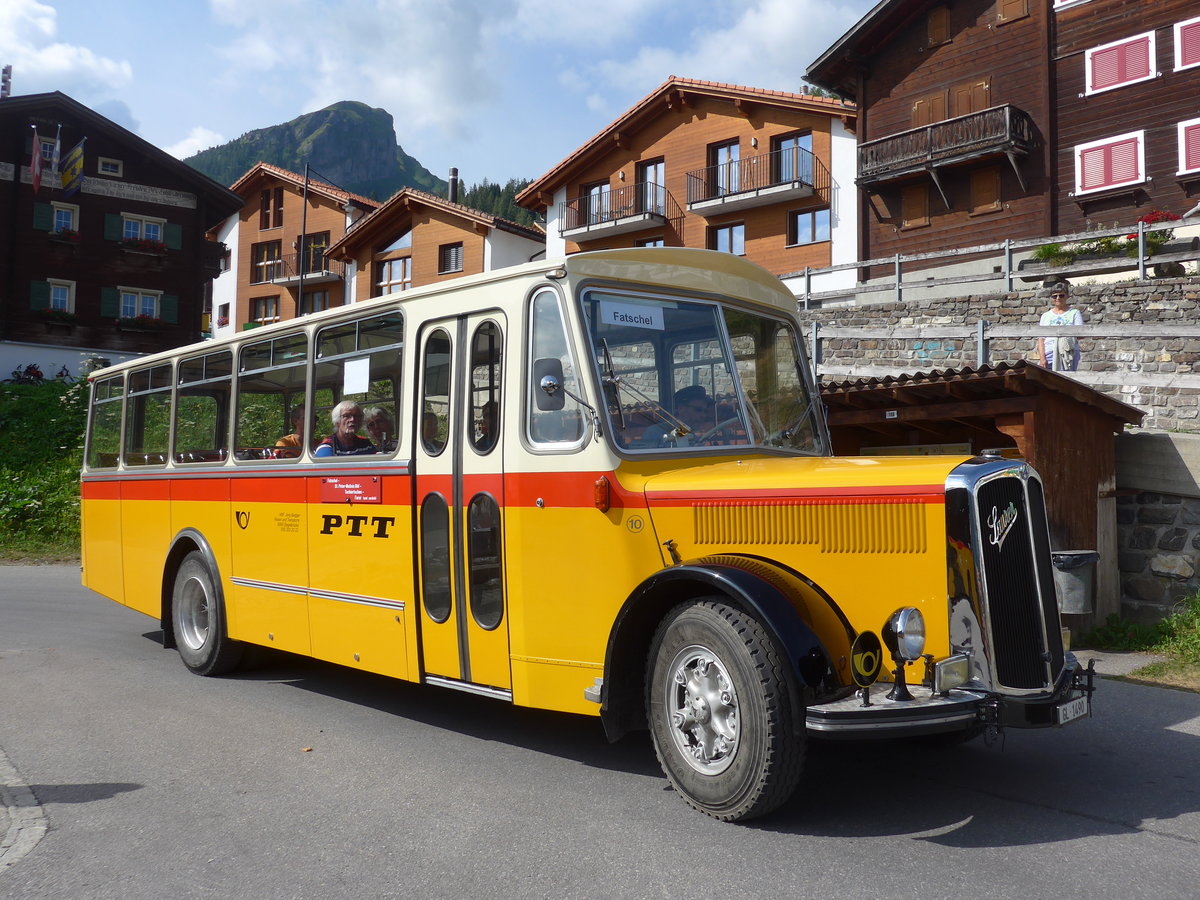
<point x="347" y="418"/>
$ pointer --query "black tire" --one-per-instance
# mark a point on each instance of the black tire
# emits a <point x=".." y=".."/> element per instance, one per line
<point x="721" y="707"/>
<point x="198" y="617"/>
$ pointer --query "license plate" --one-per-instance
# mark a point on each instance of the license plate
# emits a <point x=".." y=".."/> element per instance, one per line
<point x="1071" y="710"/>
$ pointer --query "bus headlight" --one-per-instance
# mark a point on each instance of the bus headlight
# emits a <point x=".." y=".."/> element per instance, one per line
<point x="904" y="633"/>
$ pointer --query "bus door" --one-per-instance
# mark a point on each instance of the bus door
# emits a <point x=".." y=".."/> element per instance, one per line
<point x="458" y="460"/>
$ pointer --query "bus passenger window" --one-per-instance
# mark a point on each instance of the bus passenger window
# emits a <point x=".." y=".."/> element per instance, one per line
<point x="148" y="417"/>
<point x="205" y="384"/>
<point x="104" y="438"/>
<point x="270" y="382"/>
<point x="360" y="362"/>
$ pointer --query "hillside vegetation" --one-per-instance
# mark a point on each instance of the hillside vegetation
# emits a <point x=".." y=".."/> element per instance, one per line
<point x="41" y="450"/>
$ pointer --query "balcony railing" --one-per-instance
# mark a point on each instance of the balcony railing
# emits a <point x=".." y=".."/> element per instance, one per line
<point x="631" y="207"/>
<point x="286" y="270"/>
<point x="999" y="130"/>
<point x="757" y="180"/>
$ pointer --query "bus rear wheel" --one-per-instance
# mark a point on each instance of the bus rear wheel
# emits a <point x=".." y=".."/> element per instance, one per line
<point x="720" y="706"/>
<point x="198" y="617"/>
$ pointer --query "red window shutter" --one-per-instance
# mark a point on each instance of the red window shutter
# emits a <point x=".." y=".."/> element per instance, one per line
<point x="1191" y="148"/>
<point x="1136" y="59"/>
<point x="1189" y="44"/>
<point x="1117" y="65"/>
<point x="1109" y="165"/>
<point x="1106" y="68"/>
<point x="1124" y="162"/>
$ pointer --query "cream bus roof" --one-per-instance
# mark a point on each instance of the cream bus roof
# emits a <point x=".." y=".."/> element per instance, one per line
<point x="709" y="271"/>
<point x="705" y="271"/>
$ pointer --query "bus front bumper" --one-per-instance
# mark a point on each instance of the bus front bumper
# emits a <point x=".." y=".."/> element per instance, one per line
<point x="961" y="709"/>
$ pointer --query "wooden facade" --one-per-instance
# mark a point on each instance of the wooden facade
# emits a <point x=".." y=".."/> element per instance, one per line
<point x="696" y="164"/>
<point x="70" y="265"/>
<point x="954" y="122"/>
<point x="1153" y="107"/>
<point x="416" y="239"/>
<point x="283" y="268"/>
<point x="941" y="167"/>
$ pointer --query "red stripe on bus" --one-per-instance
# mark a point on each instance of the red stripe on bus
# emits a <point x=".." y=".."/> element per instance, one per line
<point x="100" y="490"/>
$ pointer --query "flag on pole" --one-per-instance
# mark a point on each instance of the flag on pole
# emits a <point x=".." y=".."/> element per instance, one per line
<point x="35" y="161"/>
<point x="57" y="149"/>
<point x="72" y="171"/>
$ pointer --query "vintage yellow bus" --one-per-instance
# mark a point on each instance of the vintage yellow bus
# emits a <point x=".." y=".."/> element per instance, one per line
<point x="600" y="485"/>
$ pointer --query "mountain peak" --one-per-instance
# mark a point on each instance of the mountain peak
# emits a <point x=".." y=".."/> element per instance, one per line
<point x="349" y="142"/>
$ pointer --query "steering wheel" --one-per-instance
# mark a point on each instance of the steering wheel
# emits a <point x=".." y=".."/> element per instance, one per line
<point x="719" y="427"/>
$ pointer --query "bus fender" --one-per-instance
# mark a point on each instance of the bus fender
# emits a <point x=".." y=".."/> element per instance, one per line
<point x="182" y="544"/>
<point x="622" y="707"/>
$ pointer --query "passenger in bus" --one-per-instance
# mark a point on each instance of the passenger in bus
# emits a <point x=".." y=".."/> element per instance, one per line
<point x="487" y="427"/>
<point x="695" y="409"/>
<point x="381" y="429"/>
<point x="295" y="440"/>
<point x="429" y="432"/>
<point x="347" y="418"/>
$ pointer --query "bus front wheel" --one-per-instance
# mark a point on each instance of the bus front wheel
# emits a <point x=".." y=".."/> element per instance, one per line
<point x="721" y="711"/>
<point x="199" y="620"/>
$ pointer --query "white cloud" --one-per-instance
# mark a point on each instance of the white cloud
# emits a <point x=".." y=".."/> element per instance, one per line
<point x="199" y="138"/>
<point x="769" y="44"/>
<point x="27" y="41"/>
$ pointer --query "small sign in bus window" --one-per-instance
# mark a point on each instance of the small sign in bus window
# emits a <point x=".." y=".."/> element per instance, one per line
<point x="631" y="315"/>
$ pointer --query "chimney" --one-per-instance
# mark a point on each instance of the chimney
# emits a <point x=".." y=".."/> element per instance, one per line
<point x="454" y="185"/>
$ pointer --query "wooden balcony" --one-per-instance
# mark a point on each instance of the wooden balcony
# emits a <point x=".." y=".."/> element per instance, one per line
<point x="632" y="207"/>
<point x="318" y="269"/>
<point x="999" y="131"/>
<point x="776" y="177"/>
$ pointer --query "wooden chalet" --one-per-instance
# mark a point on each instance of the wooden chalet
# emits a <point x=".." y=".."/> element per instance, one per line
<point x="981" y="120"/>
<point x="417" y="238"/>
<point x="700" y="164"/>
<point x="117" y="268"/>
<point x="279" y="266"/>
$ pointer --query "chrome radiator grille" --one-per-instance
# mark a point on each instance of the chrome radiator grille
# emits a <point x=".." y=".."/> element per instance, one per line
<point x="1019" y="606"/>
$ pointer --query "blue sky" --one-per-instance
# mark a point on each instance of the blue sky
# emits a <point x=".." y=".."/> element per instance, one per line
<point x="499" y="88"/>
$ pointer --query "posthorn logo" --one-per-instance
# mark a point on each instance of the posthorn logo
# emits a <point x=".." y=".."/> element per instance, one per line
<point x="243" y="519"/>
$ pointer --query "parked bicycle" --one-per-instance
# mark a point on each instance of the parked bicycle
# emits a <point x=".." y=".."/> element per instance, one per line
<point x="31" y="374"/>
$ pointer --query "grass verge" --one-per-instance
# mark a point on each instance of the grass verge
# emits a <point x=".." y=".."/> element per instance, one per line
<point x="1177" y="638"/>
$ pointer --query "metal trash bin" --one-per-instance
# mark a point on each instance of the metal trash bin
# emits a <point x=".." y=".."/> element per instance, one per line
<point x="1073" y="579"/>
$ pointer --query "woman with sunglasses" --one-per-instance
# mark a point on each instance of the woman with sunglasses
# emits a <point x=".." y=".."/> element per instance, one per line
<point x="1061" y="354"/>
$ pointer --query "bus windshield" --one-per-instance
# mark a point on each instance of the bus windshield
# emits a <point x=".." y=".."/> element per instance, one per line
<point x="684" y="374"/>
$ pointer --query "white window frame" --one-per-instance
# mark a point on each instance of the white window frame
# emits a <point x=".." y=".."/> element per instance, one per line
<point x="69" y="287"/>
<point x="1081" y="149"/>
<point x="1183" y="127"/>
<point x="70" y="209"/>
<point x="1151" y="67"/>
<point x="141" y="222"/>
<point x="116" y="168"/>
<point x="1063" y="4"/>
<point x="395" y="276"/>
<point x="1179" y="26"/>
<point x="141" y="295"/>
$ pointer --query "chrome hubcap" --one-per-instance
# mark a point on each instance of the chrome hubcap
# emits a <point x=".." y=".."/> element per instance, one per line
<point x="193" y="614"/>
<point x="703" y="707"/>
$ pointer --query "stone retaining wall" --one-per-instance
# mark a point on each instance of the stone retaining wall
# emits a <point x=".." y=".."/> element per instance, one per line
<point x="1159" y="555"/>
<point x="1143" y="372"/>
<point x="1158" y="506"/>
